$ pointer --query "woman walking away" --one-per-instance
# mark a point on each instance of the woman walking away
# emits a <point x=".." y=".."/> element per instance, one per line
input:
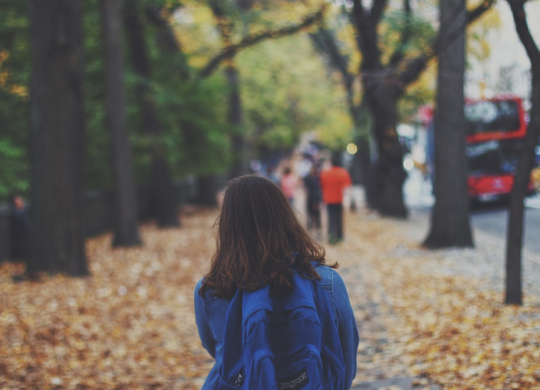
<point x="270" y="312"/>
<point x="288" y="184"/>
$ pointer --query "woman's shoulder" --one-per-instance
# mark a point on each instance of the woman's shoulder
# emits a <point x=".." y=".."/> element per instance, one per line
<point x="329" y="278"/>
<point x="327" y="274"/>
<point x="207" y="294"/>
<point x="198" y="287"/>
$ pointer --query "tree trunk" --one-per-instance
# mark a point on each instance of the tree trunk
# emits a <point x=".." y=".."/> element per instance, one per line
<point x="362" y="159"/>
<point x="358" y="161"/>
<point x="514" y="241"/>
<point x="57" y="138"/>
<point x="235" y="119"/>
<point x="359" y="117"/>
<point x="383" y="86"/>
<point x="162" y="192"/>
<point x="207" y="190"/>
<point x="387" y="174"/>
<point x="514" y="231"/>
<point x="126" y="227"/>
<point x="450" y="225"/>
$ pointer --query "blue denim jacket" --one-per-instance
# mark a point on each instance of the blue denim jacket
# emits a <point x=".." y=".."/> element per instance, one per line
<point x="210" y="314"/>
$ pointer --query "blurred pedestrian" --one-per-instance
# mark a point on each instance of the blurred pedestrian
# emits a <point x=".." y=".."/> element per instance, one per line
<point x="272" y="175"/>
<point x="19" y="226"/>
<point x="268" y="275"/>
<point x="313" y="200"/>
<point x="304" y="166"/>
<point x="288" y="184"/>
<point x="334" y="181"/>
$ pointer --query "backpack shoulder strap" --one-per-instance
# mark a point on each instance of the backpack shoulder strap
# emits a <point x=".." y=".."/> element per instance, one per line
<point x="301" y="295"/>
<point x="232" y="363"/>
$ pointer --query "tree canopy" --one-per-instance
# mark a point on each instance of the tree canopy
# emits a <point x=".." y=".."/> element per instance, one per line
<point x="288" y="86"/>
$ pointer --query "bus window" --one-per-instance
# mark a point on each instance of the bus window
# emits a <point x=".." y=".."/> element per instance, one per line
<point x="494" y="157"/>
<point x="492" y="116"/>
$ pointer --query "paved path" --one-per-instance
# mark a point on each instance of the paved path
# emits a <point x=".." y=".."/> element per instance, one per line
<point x="489" y="223"/>
<point x="378" y="362"/>
<point x="487" y="218"/>
<point x="492" y="219"/>
<point x="380" y="366"/>
<point x="380" y="354"/>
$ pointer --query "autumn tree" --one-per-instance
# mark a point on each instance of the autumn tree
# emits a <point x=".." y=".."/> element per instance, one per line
<point x="514" y="239"/>
<point x="384" y="84"/>
<point x="126" y="228"/>
<point x="57" y="138"/>
<point x="223" y="13"/>
<point x="450" y="225"/>
<point x="136" y="16"/>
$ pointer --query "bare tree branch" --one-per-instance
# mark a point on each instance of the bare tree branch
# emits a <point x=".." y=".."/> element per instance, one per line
<point x="446" y="38"/>
<point x="479" y="10"/>
<point x="359" y="13"/>
<point x="366" y="36"/>
<point x="253" y="39"/>
<point x="414" y="67"/>
<point x="225" y="26"/>
<point x="377" y="10"/>
<point x="325" y="41"/>
<point x="399" y="53"/>
<point x="167" y="39"/>
<point x="522" y="28"/>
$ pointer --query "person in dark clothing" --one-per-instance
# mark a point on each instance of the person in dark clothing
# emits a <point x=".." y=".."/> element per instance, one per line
<point x="313" y="200"/>
<point x="19" y="225"/>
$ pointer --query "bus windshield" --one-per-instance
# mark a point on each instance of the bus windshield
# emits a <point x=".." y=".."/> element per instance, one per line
<point x="492" y="116"/>
<point x="494" y="157"/>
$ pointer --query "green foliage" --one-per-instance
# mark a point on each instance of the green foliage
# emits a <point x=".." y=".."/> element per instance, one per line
<point x="422" y="34"/>
<point x="14" y="167"/>
<point x="192" y="116"/>
<point x="14" y="172"/>
<point x="394" y="23"/>
<point x="98" y="152"/>
<point x="14" y="102"/>
<point x="286" y="92"/>
<point x="285" y="88"/>
<point x="418" y="94"/>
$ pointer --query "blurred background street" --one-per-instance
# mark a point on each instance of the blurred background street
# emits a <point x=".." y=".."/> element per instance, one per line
<point x="490" y="218"/>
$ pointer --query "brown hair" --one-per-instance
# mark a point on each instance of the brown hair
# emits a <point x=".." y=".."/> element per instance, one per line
<point x="257" y="235"/>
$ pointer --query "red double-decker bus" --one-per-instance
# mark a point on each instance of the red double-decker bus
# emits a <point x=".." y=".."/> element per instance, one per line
<point x="495" y="134"/>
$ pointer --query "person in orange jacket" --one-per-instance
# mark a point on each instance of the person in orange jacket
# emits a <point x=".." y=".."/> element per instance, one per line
<point x="334" y="181"/>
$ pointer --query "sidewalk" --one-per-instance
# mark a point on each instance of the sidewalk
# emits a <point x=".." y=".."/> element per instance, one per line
<point x="486" y="261"/>
<point x="439" y="312"/>
<point x="427" y="320"/>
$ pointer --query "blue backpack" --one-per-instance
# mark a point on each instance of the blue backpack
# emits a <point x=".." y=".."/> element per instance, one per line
<point x="282" y="342"/>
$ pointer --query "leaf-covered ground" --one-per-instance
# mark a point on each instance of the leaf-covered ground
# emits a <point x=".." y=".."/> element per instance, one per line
<point x="451" y="329"/>
<point x="131" y="325"/>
